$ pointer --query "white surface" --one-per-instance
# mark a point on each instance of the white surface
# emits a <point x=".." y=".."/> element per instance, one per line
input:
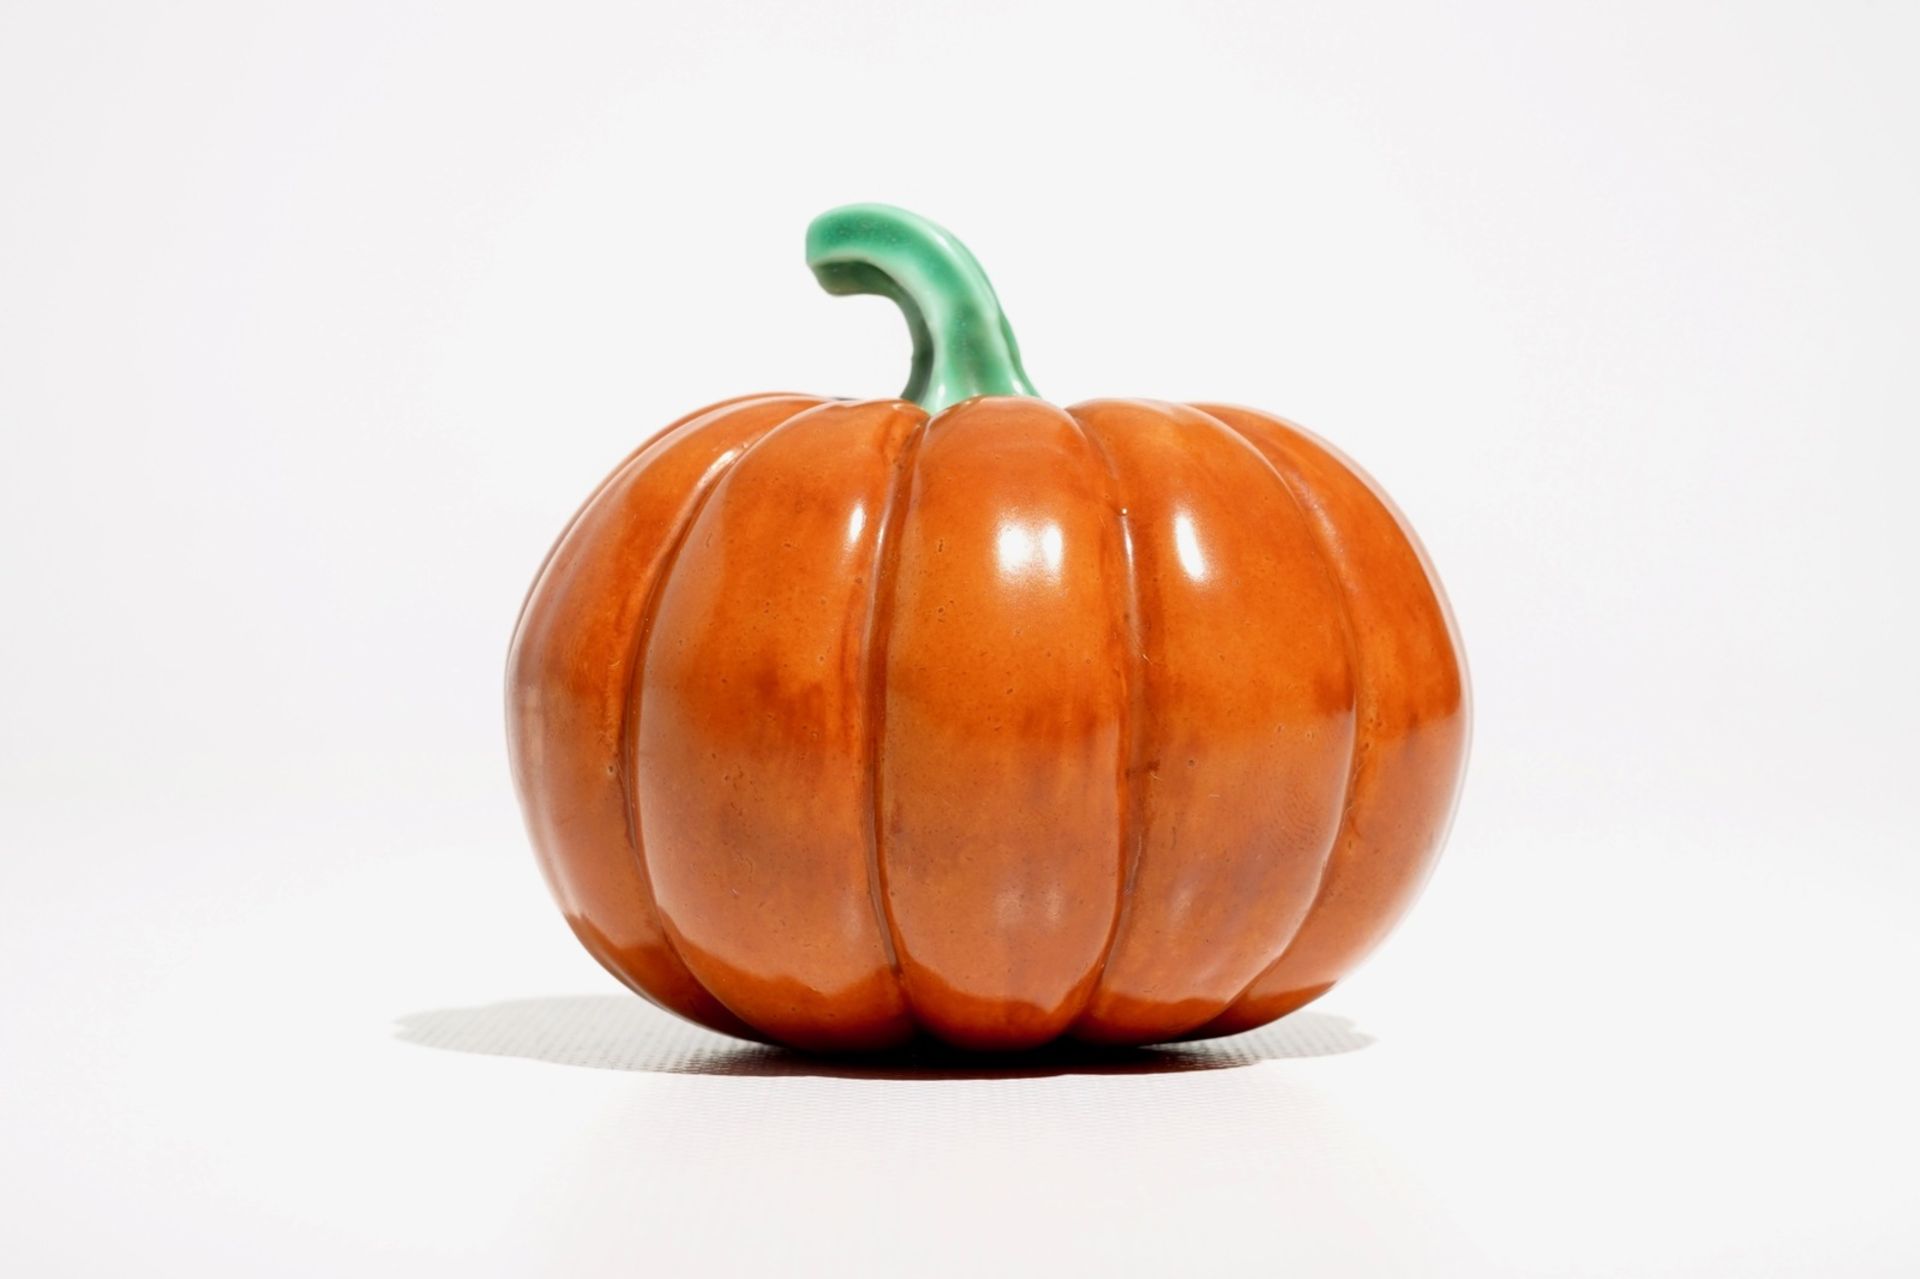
<point x="315" y="325"/>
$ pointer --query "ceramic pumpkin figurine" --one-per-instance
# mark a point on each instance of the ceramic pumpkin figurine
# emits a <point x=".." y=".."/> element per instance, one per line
<point x="842" y="722"/>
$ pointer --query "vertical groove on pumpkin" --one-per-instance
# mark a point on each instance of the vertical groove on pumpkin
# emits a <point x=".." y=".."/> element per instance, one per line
<point x="886" y="562"/>
<point x="1344" y="831"/>
<point x="636" y="671"/>
<point x="1130" y="765"/>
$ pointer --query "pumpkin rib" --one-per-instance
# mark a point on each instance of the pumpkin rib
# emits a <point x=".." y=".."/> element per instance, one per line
<point x="1132" y="795"/>
<point x="1002" y="828"/>
<point x="1279" y="438"/>
<point x="708" y="483"/>
<point x="538" y="661"/>
<point x="873" y="659"/>
<point x="1323" y="553"/>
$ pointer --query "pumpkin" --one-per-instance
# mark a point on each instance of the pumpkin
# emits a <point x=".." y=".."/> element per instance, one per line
<point x="839" y="723"/>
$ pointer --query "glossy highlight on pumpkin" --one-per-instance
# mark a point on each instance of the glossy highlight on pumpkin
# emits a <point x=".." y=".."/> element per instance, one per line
<point x="838" y="723"/>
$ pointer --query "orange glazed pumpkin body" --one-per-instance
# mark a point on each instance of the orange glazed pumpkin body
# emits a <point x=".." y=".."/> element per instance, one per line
<point x="837" y="723"/>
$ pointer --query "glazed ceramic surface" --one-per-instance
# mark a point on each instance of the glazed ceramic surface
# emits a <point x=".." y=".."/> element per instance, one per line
<point x="841" y="722"/>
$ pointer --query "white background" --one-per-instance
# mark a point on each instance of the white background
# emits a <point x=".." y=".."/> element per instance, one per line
<point x="317" y="322"/>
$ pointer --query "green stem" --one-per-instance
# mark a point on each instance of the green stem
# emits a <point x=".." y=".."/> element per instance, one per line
<point x="962" y="345"/>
